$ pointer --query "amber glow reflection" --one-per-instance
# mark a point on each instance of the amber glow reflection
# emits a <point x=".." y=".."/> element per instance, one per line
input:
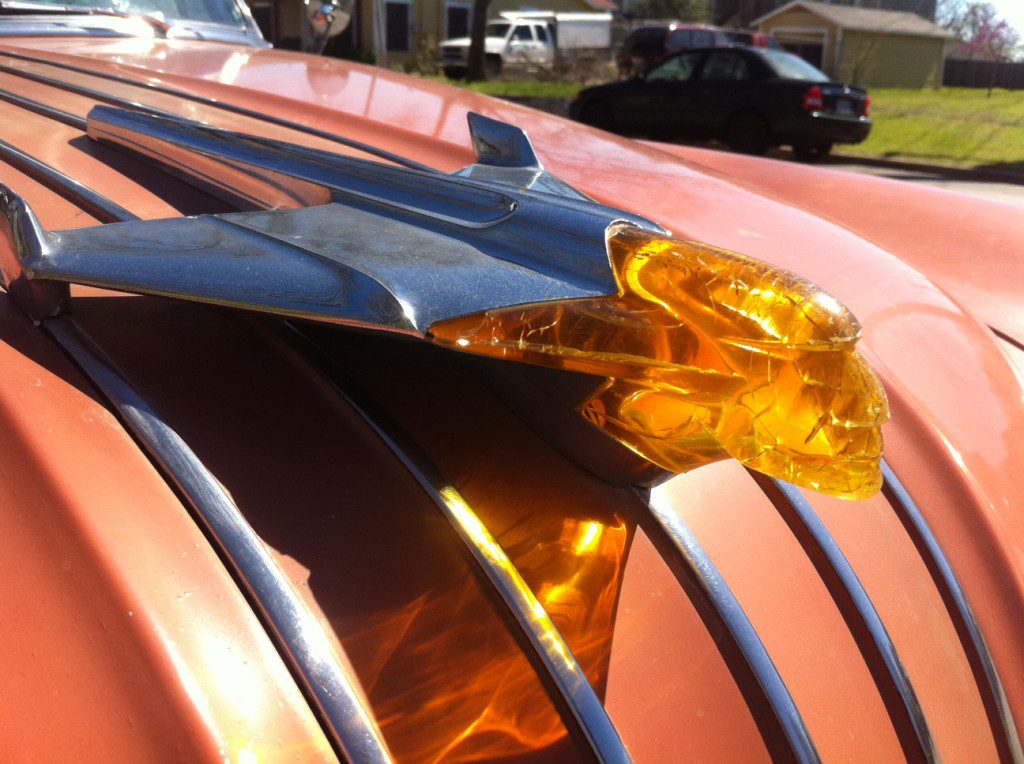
<point x="567" y="573"/>
<point x="494" y="559"/>
<point x="708" y="354"/>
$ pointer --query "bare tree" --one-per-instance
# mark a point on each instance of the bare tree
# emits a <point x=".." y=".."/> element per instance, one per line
<point x="476" y="65"/>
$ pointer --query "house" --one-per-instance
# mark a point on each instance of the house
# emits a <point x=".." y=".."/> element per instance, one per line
<point x="413" y="28"/>
<point x="739" y="14"/>
<point x="866" y="46"/>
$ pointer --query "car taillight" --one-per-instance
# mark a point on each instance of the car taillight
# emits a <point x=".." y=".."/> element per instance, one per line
<point x="867" y="105"/>
<point x="813" y="100"/>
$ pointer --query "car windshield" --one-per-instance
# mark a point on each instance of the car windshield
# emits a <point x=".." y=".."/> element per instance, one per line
<point x="498" y="30"/>
<point x="205" y="11"/>
<point x="790" y="67"/>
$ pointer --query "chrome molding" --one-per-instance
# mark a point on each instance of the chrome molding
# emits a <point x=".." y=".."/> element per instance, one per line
<point x="72" y="190"/>
<point x="776" y="715"/>
<point x="993" y="696"/>
<point x="571" y="692"/>
<point x="857" y="609"/>
<point x="302" y="641"/>
<point x="38" y="107"/>
<point x="212" y="102"/>
<point x="70" y="87"/>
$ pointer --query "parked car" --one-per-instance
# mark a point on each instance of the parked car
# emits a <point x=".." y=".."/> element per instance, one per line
<point x="749" y="98"/>
<point x="652" y="43"/>
<point x="342" y="420"/>
<point x="531" y="40"/>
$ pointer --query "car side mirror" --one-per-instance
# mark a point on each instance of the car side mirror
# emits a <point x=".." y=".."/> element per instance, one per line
<point x="327" y="19"/>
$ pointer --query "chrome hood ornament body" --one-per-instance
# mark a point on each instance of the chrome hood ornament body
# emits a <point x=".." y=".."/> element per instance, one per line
<point x="335" y="238"/>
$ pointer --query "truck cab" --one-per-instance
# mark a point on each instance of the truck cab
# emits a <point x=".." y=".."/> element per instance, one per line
<point x="508" y="42"/>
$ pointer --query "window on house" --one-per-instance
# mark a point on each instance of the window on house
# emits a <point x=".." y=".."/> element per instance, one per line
<point x="397" y="26"/>
<point x="456" y="21"/>
<point x="264" y="13"/>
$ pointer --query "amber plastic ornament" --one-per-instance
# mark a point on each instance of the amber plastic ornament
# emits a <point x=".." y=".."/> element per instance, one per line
<point x="708" y="354"/>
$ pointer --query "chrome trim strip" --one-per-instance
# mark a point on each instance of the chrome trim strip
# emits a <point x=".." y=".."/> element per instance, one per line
<point x="303" y="643"/>
<point x="857" y="609"/>
<point x="782" y="727"/>
<point x="581" y="709"/>
<point x="44" y="110"/>
<point x="75" y="192"/>
<point x="993" y="696"/>
<point x="241" y="110"/>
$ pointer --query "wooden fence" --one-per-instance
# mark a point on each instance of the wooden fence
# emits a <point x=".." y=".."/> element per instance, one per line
<point x="983" y="74"/>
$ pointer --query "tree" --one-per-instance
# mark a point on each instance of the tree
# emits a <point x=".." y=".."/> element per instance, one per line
<point x="475" y="65"/>
<point x="679" y="10"/>
<point x="980" y="30"/>
<point x="982" y="34"/>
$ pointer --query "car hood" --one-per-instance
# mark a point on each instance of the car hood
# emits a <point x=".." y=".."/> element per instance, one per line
<point x="912" y="266"/>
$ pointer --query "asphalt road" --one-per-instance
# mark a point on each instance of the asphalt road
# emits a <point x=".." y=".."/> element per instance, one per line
<point x="1003" y="192"/>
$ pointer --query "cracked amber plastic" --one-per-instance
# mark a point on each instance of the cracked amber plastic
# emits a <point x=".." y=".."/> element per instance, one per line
<point x="708" y="354"/>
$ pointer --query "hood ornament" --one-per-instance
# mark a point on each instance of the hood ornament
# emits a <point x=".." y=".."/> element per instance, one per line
<point x="704" y="354"/>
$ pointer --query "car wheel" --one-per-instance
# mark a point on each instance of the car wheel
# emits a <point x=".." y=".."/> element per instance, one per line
<point x="748" y="133"/>
<point x="598" y="114"/>
<point x="492" y="67"/>
<point x="454" y="72"/>
<point x="811" y="152"/>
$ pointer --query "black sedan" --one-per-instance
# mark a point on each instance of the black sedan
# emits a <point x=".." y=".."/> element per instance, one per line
<point x="749" y="98"/>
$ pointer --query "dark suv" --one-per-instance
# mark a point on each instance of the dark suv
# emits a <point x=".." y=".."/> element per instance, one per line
<point x="652" y="43"/>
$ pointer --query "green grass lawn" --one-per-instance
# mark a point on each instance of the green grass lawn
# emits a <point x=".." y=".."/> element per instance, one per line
<point x="530" y="88"/>
<point x="958" y="126"/>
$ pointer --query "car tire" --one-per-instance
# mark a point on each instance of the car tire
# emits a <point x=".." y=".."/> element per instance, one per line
<point x="598" y="114"/>
<point x="455" y="72"/>
<point x="492" y="67"/>
<point x="748" y="133"/>
<point x="811" y="152"/>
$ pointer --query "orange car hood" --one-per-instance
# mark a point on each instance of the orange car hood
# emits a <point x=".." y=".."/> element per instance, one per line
<point x="880" y="248"/>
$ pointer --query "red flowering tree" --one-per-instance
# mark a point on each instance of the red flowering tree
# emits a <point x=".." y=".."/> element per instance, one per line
<point x="981" y="33"/>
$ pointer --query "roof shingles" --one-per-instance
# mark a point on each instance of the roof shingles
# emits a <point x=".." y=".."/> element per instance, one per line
<point x="866" y="19"/>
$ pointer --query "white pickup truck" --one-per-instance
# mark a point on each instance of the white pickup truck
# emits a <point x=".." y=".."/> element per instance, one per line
<point x="531" y="40"/>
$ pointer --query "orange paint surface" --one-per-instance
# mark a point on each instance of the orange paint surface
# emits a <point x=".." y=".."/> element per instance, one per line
<point x="122" y="634"/>
<point x="145" y="682"/>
